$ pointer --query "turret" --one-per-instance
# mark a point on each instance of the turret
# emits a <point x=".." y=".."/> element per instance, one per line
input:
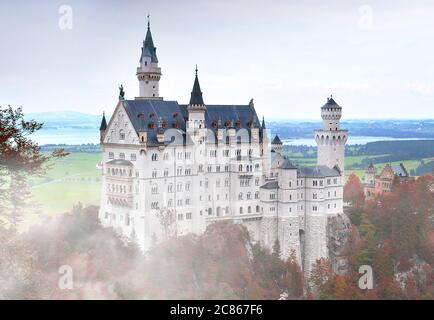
<point x="276" y="145"/>
<point x="370" y="174"/>
<point x="148" y="73"/>
<point x="196" y="108"/>
<point x="102" y="128"/>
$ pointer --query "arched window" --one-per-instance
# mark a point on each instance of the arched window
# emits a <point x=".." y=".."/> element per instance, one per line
<point x="249" y="209"/>
<point x="258" y="208"/>
<point x="240" y="168"/>
<point x="241" y="210"/>
<point x="240" y="196"/>
<point x="257" y="195"/>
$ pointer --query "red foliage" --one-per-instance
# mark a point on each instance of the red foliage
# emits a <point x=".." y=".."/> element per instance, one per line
<point x="353" y="191"/>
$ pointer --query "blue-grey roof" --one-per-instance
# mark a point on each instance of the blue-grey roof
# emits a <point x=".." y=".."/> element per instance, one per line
<point x="270" y="185"/>
<point x="318" y="172"/>
<point x="148" y="49"/>
<point x="276" y="140"/>
<point x="287" y="165"/>
<point x="103" y="125"/>
<point x="400" y="171"/>
<point x="170" y="112"/>
<point x="196" y="94"/>
<point x="331" y="103"/>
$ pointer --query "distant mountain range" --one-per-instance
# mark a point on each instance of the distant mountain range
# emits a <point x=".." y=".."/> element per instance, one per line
<point x="286" y="129"/>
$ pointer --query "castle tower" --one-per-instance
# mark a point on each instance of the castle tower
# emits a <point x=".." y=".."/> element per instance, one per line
<point x="196" y="108"/>
<point x="148" y="73"/>
<point x="331" y="139"/>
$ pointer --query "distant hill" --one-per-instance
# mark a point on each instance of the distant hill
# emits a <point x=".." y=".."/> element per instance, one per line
<point x="66" y="119"/>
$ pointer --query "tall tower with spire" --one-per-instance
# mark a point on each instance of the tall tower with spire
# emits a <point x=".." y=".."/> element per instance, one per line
<point x="196" y="108"/>
<point x="148" y="73"/>
<point x="331" y="139"/>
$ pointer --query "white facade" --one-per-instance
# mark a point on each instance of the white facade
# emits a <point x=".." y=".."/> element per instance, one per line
<point x="171" y="169"/>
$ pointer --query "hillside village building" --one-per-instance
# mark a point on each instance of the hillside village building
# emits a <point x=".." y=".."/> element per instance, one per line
<point x="172" y="169"/>
<point x="375" y="184"/>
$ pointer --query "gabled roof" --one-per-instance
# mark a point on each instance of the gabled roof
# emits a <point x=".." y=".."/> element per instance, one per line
<point x="270" y="185"/>
<point x="331" y="103"/>
<point x="276" y="140"/>
<point x="400" y="170"/>
<point x="318" y="172"/>
<point x="148" y="49"/>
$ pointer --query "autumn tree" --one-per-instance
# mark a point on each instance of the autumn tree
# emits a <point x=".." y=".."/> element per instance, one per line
<point x="20" y="158"/>
<point x="353" y="191"/>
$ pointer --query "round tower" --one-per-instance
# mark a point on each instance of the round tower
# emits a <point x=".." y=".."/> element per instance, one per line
<point x="331" y="139"/>
<point x="148" y="73"/>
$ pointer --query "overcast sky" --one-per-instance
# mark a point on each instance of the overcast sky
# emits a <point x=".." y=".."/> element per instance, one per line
<point x="377" y="59"/>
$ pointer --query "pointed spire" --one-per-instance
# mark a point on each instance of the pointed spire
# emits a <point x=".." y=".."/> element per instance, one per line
<point x="148" y="49"/>
<point x="103" y="126"/>
<point x="263" y="123"/>
<point x="196" y="94"/>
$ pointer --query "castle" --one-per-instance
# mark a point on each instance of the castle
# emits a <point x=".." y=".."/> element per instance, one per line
<point x="170" y="169"/>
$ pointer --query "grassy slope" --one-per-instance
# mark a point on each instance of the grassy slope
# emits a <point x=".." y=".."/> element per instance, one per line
<point x="72" y="179"/>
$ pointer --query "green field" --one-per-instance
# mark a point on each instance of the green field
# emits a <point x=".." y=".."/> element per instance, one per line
<point x="69" y="180"/>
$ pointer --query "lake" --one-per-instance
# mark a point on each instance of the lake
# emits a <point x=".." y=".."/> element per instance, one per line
<point x="352" y="140"/>
<point x="73" y="136"/>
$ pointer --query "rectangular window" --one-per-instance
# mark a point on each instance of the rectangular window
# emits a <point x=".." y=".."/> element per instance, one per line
<point x="111" y="155"/>
<point x="133" y="157"/>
